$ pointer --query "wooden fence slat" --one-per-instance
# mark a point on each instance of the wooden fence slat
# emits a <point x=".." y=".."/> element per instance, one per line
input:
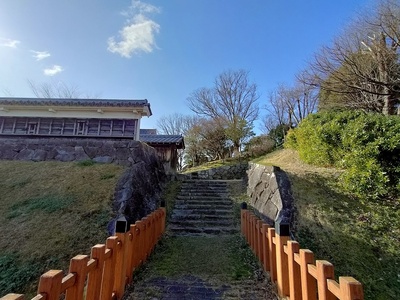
<point x="140" y="249"/>
<point x="272" y="253"/>
<point x="265" y="244"/>
<point x="78" y="266"/>
<point x="259" y="241"/>
<point x="351" y="289"/>
<point x="282" y="276"/>
<point x="334" y="288"/>
<point x="120" y="271"/>
<point x="109" y="269"/>
<point x="130" y="253"/>
<point x="13" y="297"/>
<point x="95" y="277"/>
<point x="68" y="281"/>
<point x="325" y="270"/>
<point x="50" y="284"/>
<point x="308" y="282"/>
<point x="294" y="271"/>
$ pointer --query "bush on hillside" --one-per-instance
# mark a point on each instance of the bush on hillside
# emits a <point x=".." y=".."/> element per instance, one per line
<point x="366" y="145"/>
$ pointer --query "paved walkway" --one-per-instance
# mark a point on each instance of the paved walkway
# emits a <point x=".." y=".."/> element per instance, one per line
<point x="204" y="224"/>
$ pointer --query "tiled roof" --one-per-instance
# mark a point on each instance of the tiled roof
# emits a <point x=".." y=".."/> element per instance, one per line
<point x="147" y="131"/>
<point x="74" y="102"/>
<point x="162" y="139"/>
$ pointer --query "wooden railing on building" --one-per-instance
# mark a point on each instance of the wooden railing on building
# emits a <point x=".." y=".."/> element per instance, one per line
<point x="294" y="271"/>
<point x="105" y="274"/>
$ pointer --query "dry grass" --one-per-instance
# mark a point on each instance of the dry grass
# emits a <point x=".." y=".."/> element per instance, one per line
<point x="50" y="212"/>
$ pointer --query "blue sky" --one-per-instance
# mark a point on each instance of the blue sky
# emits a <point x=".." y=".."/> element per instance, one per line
<point x="162" y="50"/>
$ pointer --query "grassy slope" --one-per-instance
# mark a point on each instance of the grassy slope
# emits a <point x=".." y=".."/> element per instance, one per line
<point x="361" y="240"/>
<point x="50" y="212"/>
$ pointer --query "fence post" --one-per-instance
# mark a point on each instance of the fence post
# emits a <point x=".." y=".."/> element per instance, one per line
<point x="164" y="216"/>
<point x="78" y="266"/>
<point x="324" y="271"/>
<point x="109" y="269"/>
<point x="272" y="254"/>
<point x="95" y="277"/>
<point x="350" y="289"/>
<point x="282" y="268"/>
<point x="260" y="241"/>
<point x="50" y="284"/>
<point x="308" y="282"/>
<point x="293" y="248"/>
<point x="120" y="263"/>
<point x="129" y="254"/>
<point x="265" y="244"/>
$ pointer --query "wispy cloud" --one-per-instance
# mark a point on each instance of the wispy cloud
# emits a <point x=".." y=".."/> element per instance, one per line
<point x="55" y="69"/>
<point x="9" y="43"/>
<point x="39" y="55"/>
<point x="138" y="35"/>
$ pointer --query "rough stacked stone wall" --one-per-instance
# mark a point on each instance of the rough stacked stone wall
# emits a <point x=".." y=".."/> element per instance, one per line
<point x="237" y="171"/>
<point x="138" y="191"/>
<point x="270" y="194"/>
<point x="121" y="152"/>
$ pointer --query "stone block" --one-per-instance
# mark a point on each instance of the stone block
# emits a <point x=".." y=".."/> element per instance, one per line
<point x="103" y="159"/>
<point x="39" y="155"/>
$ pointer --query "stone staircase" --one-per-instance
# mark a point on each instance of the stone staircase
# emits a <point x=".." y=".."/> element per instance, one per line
<point x="203" y="207"/>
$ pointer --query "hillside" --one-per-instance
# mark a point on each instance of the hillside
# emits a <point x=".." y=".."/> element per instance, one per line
<point x="50" y="212"/>
<point x="361" y="239"/>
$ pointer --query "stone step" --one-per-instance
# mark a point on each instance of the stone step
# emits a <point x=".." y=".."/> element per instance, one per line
<point x="204" y="191"/>
<point x="177" y="216"/>
<point x="204" y="205"/>
<point x="204" y="211"/>
<point x="204" y="202"/>
<point x="202" y="196"/>
<point x="203" y="223"/>
<point x="199" y="230"/>
<point x="203" y="185"/>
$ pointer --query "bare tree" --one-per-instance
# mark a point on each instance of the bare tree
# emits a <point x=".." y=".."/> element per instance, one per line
<point x="289" y="105"/>
<point x="176" y="124"/>
<point x="363" y="63"/>
<point x="57" y="90"/>
<point x="233" y="98"/>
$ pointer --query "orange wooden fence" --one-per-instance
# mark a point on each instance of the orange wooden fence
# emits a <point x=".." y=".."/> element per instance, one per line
<point x="105" y="274"/>
<point x="296" y="274"/>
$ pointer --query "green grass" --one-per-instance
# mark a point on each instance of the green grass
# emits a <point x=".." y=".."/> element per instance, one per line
<point x="50" y="212"/>
<point x="223" y="258"/>
<point x="215" y="164"/>
<point x="361" y="238"/>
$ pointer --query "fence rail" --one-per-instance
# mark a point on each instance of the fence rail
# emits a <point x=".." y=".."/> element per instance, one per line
<point x="106" y="272"/>
<point x="296" y="273"/>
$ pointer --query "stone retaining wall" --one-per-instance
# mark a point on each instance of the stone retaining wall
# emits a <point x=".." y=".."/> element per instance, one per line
<point x="237" y="171"/>
<point x="121" y="152"/>
<point x="270" y="194"/>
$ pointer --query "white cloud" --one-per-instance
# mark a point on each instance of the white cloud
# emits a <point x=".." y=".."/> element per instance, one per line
<point x="55" y="69"/>
<point x="9" y="43"/>
<point x="39" y="55"/>
<point x="139" y="33"/>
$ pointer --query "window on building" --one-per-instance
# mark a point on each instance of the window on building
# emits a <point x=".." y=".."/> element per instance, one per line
<point x="80" y="127"/>
<point x="32" y="128"/>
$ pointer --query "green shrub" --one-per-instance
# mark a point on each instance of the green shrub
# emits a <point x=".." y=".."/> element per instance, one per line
<point x="366" y="145"/>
